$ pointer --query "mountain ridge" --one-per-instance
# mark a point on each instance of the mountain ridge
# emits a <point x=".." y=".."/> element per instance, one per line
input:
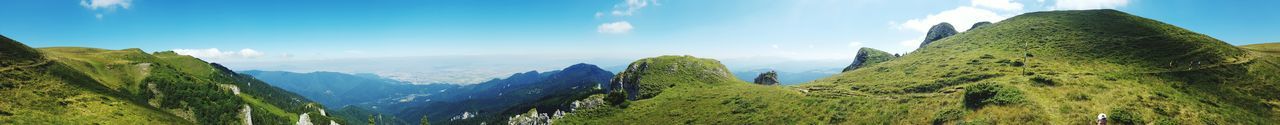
<point x="129" y="86"/>
<point x="1053" y="67"/>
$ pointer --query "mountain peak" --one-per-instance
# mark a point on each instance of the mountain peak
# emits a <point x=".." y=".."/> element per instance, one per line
<point x="647" y="77"/>
<point x="937" y="32"/>
<point x="868" y="56"/>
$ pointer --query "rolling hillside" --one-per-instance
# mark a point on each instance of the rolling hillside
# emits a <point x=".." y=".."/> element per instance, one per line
<point x="1054" y="67"/>
<point x="71" y="85"/>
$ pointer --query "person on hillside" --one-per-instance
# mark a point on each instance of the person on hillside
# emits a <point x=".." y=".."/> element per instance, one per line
<point x="1102" y="119"/>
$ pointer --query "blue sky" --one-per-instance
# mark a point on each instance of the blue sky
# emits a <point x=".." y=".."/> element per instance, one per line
<point x="283" y="30"/>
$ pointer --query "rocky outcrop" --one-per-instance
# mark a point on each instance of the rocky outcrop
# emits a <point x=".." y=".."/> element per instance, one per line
<point x="867" y="57"/>
<point x="534" y="118"/>
<point x="647" y="77"/>
<point x="248" y="116"/>
<point x="767" y="78"/>
<point x="628" y="82"/>
<point x="978" y="25"/>
<point x="937" y="32"/>
<point x="304" y="119"/>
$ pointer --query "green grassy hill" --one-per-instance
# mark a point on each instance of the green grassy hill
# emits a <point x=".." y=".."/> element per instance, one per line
<point x="867" y="57"/>
<point x="71" y="85"/>
<point x="1054" y="67"/>
<point x="690" y="90"/>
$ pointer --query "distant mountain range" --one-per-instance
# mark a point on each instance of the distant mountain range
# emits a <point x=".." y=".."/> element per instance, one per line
<point x="788" y="78"/>
<point x="341" y="89"/>
<point x="487" y="102"/>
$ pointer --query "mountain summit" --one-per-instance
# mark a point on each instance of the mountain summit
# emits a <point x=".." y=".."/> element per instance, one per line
<point x="937" y="32"/>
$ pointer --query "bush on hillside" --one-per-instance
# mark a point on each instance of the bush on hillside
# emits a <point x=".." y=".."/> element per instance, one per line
<point x="981" y="94"/>
<point x="1042" y="80"/>
<point x="1124" y="116"/>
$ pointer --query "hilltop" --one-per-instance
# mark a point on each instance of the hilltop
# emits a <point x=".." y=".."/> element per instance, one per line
<point x="690" y="90"/>
<point x="1052" y="67"/>
<point x="72" y="85"/>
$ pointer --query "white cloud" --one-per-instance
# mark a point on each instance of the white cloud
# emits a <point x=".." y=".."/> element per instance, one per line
<point x="106" y="4"/>
<point x="1005" y="5"/>
<point x="631" y="6"/>
<point x="961" y="18"/>
<point x="103" y="6"/>
<point x="620" y="27"/>
<point x="1088" y="4"/>
<point x="215" y="53"/>
<point x="599" y="14"/>
<point x="250" y="53"/>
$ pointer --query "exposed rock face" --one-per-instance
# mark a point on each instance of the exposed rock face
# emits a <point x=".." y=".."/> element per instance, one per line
<point x="627" y="82"/>
<point x="647" y="77"/>
<point x="534" y="118"/>
<point x="248" y="116"/>
<point x="937" y="32"/>
<point x="979" y="25"/>
<point x="767" y="78"/>
<point x="304" y="119"/>
<point x="867" y="57"/>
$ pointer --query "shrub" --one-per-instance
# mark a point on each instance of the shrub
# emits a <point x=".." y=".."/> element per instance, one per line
<point x="1043" y="81"/>
<point x="939" y="84"/>
<point x="948" y="114"/>
<point x="1124" y="116"/>
<point x="981" y="94"/>
<point x="987" y="56"/>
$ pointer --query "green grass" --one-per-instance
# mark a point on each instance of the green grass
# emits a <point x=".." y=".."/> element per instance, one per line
<point x="1056" y="67"/>
<point x="72" y="85"/>
<point x="869" y="56"/>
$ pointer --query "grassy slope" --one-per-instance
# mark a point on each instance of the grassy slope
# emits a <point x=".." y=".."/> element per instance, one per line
<point x="1080" y="63"/>
<point x="697" y="91"/>
<point x="89" y="85"/>
<point x="43" y="91"/>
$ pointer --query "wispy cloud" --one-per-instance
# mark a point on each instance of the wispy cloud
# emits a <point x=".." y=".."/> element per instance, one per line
<point x="620" y="27"/>
<point x="104" y="6"/>
<point x="631" y="6"/>
<point x="215" y="53"/>
<point x="627" y="8"/>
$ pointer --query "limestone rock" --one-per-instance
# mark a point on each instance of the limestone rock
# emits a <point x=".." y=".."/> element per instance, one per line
<point x="937" y="32"/>
<point x="767" y="78"/>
